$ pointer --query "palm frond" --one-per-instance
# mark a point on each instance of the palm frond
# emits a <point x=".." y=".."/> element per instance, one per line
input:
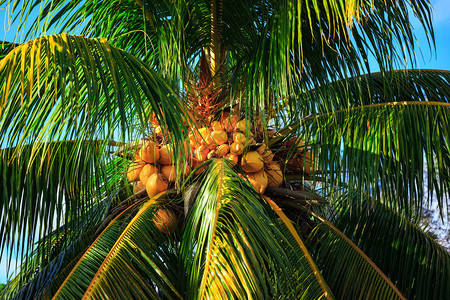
<point x="69" y="88"/>
<point x="413" y="260"/>
<point x="382" y="138"/>
<point x="76" y="282"/>
<point x="348" y="270"/>
<point x="228" y="248"/>
<point x="309" y="260"/>
<point x="143" y="255"/>
<point x="6" y="47"/>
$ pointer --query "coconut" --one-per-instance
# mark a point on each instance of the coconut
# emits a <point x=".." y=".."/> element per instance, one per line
<point x="222" y="150"/>
<point x="252" y="162"/>
<point x="201" y="134"/>
<point x="146" y="171"/>
<point x="135" y="169"/>
<point x="165" y="155"/>
<point x="165" y="220"/>
<point x="169" y="172"/>
<point x="243" y="125"/>
<point x="237" y="148"/>
<point x="155" y="184"/>
<point x="239" y="138"/>
<point x="274" y="175"/>
<point x="259" y="180"/>
<point x="230" y="123"/>
<point x="308" y="163"/>
<point x="201" y="153"/>
<point x="217" y="126"/>
<point x="266" y="153"/>
<point x="138" y="186"/>
<point x="149" y="153"/>
<point x="219" y="137"/>
<point x="233" y="157"/>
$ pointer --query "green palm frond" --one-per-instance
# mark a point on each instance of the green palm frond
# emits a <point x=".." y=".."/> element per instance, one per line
<point x="6" y="47"/>
<point x="413" y="260"/>
<point x="380" y="133"/>
<point x="228" y="248"/>
<point x="348" y="270"/>
<point x="76" y="282"/>
<point x="143" y="255"/>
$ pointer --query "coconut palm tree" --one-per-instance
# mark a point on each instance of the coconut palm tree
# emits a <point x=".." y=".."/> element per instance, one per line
<point x="80" y="110"/>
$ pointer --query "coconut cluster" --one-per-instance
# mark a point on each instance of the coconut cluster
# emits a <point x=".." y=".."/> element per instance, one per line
<point x="233" y="139"/>
<point x="229" y="138"/>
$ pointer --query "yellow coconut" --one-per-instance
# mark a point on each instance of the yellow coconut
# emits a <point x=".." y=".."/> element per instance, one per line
<point x="165" y="154"/>
<point x="149" y="153"/>
<point x="252" y="162"/>
<point x="274" y="175"/>
<point x="135" y="169"/>
<point x="217" y="126"/>
<point x="230" y="123"/>
<point x="259" y="180"/>
<point x="236" y="148"/>
<point x="147" y="171"/>
<point x="222" y="150"/>
<point x="308" y="163"/>
<point x="138" y="186"/>
<point x="243" y="125"/>
<point x="165" y="220"/>
<point x="233" y="157"/>
<point x="155" y="185"/>
<point x="201" y="134"/>
<point x="219" y="137"/>
<point x="266" y="153"/>
<point x="158" y="131"/>
<point x="201" y="153"/>
<point x="239" y="138"/>
<point x="169" y="172"/>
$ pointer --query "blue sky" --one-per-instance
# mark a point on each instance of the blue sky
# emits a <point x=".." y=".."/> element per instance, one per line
<point x="439" y="60"/>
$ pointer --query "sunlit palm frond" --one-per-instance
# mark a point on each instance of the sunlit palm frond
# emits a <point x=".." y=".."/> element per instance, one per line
<point x="413" y="260"/>
<point x="348" y="270"/>
<point x="6" y="47"/>
<point x="228" y="248"/>
<point x="142" y="254"/>
<point x="75" y="283"/>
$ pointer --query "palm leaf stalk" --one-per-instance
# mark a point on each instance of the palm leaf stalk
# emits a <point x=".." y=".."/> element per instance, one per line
<point x="210" y="149"/>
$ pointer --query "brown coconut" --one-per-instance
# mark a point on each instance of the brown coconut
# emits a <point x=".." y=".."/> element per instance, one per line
<point x="146" y="171"/>
<point x="165" y="220"/>
<point x="274" y="175"/>
<point x="149" y="153"/>
<point x="252" y="162"/>
<point x="259" y="180"/>
<point x="155" y="184"/>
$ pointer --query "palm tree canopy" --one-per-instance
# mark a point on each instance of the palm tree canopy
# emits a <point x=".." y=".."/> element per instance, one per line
<point x="75" y="101"/>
